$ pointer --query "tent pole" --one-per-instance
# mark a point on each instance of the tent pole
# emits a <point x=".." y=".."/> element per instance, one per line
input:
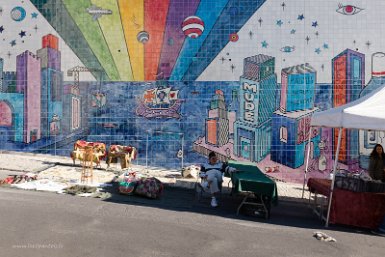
<point x="334" y="175"/>
<point x="307" y="162"/>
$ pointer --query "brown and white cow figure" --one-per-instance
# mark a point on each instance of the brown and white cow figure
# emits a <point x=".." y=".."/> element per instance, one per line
<point x="80" y="146"/>
<point x="123" y="153"/>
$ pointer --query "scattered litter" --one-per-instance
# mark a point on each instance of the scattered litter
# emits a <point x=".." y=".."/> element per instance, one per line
<point x="102" y="195"/>
<point x="19" y="179"/>
<point x="323" y="237"/>
<point x="191" y="171"/>
<point x="105" y="185"/>
<point x="85" y="194"/>
<point x="173" y="176"/>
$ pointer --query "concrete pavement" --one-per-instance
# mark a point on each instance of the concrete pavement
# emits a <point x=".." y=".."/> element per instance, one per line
<point x="39" y="224"/>
<point x="49" y="166"/>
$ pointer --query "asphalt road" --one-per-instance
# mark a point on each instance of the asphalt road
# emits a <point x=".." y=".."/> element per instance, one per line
<point x="47" y="224"/>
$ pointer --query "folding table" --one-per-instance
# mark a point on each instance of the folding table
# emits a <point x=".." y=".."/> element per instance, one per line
<point x="249" y="179"/>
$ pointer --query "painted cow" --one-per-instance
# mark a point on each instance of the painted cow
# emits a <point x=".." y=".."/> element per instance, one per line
<point x="98" y="151"/>
<point x="124" y="153"/>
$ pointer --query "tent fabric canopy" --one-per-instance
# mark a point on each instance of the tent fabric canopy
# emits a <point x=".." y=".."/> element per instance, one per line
<point x="367" y="113"/>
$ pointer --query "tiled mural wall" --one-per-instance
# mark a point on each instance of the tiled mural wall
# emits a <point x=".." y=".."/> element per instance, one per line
<point x="179" y="78"/>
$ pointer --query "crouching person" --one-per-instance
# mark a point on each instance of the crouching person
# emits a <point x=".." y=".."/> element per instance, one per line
<point x="212" y="176"/>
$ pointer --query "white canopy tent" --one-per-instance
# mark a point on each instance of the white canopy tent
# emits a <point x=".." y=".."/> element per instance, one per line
<point x="366" y="113"/>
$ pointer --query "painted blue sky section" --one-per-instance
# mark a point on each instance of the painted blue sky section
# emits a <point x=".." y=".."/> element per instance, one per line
<point x="232" y="19"/>
<point x="208" y="11"/>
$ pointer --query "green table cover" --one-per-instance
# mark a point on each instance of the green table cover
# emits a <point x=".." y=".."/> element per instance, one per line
<point x="251" y="179"/>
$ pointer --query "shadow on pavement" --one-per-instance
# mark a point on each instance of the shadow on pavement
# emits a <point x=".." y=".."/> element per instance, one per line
<point x="286" y="213"/>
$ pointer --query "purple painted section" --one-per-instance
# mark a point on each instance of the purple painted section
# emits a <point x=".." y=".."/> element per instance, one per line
<point x="50" y="58"/>
<point x="21" y="72"/>
<point x="28" y="82"/>
<point x="174" y="37"/>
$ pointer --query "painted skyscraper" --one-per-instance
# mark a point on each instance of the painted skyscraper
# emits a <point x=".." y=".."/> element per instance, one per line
<point x="252" y="130"/>
<point x="291" y="122"/>
<point x="348" y="77"/>
<point x="52" y="86"/>
<point x="28" y="82"/>
<point x="232" y="112"/>
<point x="71" y="112"/>
<point x="217" y="123"/>
<point x="1" y="74"/>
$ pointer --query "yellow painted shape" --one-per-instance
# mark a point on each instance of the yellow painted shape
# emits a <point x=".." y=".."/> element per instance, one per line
<point x="111" y="26"/>
<point x="132" y="15"/>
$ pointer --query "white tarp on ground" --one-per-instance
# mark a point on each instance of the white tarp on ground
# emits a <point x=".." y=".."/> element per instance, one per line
<point x="42" y="185"/>
<point x="367" y="113"/>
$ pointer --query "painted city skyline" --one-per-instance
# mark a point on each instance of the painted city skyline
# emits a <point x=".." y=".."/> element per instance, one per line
<point x="240" y="80"/>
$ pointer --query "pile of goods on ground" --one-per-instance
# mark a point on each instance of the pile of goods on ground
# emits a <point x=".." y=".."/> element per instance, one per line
<point x="144" y="186"/>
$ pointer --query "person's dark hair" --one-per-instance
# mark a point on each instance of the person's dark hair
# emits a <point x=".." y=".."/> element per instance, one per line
<point x="212" y="154"/>
<point x="374" y="153"/>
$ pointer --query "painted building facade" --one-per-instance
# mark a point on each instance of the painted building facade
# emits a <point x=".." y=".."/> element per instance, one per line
<point x="183" y="78"/>
<point x="252" y="130"/>
<point x="348" y="69"/>
<point x="28" y="82"/>
<point x="1" y="74"/>
<point x="52" y="86"/>
<point x="291" y="122"/>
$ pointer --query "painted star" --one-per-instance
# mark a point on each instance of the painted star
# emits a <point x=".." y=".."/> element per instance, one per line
<point x="326" y="46"/>
<point x="317" y="50"/>
<point x="34" y="15"/>
<point x="1" y="29"/>
<point x="314" y="24"/>
<point x="22" y="34"/>
<point x="264" y="44"/>
<point x="260" y="21"/>
<point x="279" y="23"/>
<point x="13" y="42"/>
<point x="300" y="17"/>
<point x="293" y="31"/>
<point x="232" y="67"/>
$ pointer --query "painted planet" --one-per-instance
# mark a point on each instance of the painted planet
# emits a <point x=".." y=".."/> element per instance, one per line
<point x="143" y="37"/>
<point x="193" y="26"/>
<point x="170" y="41"/>
<point x="18" y="13"/>
<point x="234" y="37"/>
